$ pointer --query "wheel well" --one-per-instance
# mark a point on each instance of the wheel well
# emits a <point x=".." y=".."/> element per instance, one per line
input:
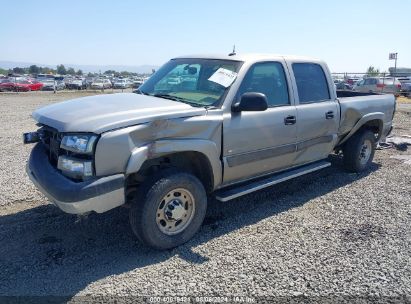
<point x="195" y="163"/>
<point x="374" y="126"/>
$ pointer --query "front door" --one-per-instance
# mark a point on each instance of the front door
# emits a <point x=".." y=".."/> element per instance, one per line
<point x="255" y="143"/>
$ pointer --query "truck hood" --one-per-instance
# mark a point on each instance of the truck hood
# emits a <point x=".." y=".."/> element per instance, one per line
<point x="101" y="113"/>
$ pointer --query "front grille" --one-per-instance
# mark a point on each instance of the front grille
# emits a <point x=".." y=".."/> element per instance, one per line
<point x="51" y="139"/>
<point x="54" y="149"/>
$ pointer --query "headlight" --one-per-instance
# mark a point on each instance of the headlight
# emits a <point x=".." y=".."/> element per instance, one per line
<point x="75" y="168"/>
<point x="80" y="143"/>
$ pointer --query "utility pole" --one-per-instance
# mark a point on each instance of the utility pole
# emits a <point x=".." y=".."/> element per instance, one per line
<point x="394" y="56"/>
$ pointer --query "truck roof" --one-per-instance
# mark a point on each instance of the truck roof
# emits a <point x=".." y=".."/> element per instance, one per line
<point x="248" y="57"/>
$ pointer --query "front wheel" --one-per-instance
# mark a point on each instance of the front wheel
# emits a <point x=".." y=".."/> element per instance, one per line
<point x="359" y="151"/>
<point x="168" y="209"/>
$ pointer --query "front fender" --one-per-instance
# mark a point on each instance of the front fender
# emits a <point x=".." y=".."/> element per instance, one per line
<point x="378" y="116"/>
<point x="163" y="147"/>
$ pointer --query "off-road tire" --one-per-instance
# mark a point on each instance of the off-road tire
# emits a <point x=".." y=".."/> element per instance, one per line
<point x="144" y="209"/>
<point x="353" y="150"/>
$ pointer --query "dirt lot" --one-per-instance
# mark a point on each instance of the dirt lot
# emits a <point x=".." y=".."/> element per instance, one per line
<point x="326" y="234"/>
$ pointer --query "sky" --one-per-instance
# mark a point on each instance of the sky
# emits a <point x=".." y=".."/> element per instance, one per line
<point x="349" y="35"/>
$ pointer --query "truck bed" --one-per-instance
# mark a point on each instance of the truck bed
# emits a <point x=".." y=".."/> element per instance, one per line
<point x="355" y="105"/>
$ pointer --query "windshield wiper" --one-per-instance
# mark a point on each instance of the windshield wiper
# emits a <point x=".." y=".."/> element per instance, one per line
<point x="138" y="91"/>
<point x="176" y="98"/>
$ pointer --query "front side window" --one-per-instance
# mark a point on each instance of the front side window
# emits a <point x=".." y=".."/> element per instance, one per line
<point x="190" y="81"/>
<point x="312" y="85"/>
<point x="267" y="78"/>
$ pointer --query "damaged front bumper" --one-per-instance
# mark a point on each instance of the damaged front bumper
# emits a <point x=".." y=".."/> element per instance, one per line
<point x="99" y="194"/>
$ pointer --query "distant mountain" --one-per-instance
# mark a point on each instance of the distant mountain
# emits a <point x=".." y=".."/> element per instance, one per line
<point x="85" y="68"/>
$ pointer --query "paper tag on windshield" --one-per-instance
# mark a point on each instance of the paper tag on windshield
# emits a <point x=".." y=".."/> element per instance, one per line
<point x="224" y="77"/>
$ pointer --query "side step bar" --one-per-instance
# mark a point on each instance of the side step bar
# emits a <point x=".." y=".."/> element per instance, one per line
<point x="232" y="192"/>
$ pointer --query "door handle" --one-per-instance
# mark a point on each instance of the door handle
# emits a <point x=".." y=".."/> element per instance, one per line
<point x="329" y="115"/>
<point x="290" y="120"/>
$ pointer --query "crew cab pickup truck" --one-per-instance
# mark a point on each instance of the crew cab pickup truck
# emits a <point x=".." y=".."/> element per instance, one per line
<point x="229" y="126"/>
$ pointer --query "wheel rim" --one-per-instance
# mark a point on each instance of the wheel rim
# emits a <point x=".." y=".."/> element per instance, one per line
<point x="175" y="211"/>
<point x="365" y="152"/>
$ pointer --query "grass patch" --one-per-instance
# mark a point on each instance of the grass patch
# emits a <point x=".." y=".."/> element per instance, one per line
<point x="402" y="99"/>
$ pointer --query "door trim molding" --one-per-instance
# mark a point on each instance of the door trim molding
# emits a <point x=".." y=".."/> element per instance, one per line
<point x="248" y="157"/>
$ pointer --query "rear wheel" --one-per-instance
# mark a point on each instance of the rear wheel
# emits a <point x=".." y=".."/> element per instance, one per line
<point x="168" y="209"/>
<point x="359" y="151"/>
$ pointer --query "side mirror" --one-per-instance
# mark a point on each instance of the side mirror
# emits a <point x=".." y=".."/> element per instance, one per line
<point x="251" y="101"/>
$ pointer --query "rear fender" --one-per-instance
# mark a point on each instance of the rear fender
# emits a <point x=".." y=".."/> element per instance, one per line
<point x="377" y="116"/>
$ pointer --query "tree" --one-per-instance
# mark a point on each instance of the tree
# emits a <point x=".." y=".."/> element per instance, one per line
<point x="46" y="70"/>
<point x="34" y="69"/>
<point x="3" y="71"/>
<point x="61" y="69"/>
<point x="109" y="72"/>
<point x="79" y="72"/>
<point x="18" y="70"/>
<point x="371" y="71"/>
<point x="71" y="71"/>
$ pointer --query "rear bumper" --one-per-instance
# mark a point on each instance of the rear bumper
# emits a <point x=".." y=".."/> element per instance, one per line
<point x="98" y="194"/>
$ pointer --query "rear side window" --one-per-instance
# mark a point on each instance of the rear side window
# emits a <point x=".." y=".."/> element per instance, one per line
<point x="267" y="78"/>
<point x="370" y="81"/>
<point x="311" y="82"/>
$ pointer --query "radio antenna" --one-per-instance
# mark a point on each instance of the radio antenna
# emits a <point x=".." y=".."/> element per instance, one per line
<point x="233" y="53"/>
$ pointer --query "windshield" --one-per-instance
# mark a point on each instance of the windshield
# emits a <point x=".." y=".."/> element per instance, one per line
<point x="198" y="82"/>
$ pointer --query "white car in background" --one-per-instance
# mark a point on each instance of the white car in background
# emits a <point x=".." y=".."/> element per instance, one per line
<point x="122" y="84"/>
<point x="378" y="85"/>
<point x="100" y="84"/>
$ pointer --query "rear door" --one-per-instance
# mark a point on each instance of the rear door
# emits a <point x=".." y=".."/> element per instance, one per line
<point x="317" y="112"/>
<point x="255" y="143"/>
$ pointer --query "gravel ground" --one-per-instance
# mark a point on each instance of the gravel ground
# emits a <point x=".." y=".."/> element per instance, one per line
<point x="327" y="233"/>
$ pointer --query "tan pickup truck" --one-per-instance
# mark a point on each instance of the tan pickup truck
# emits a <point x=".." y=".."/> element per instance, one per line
<point x="201" y="126"/>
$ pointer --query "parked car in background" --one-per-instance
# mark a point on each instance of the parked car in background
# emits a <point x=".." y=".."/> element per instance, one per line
<point x="45" y="77"/>
<point x="101" y="83"/>
<point x="89" y="81"/>
<point x="48" y="85"/>
<point x="20" y="85"/>
<point x="405" y="85"/>
<point x="122" y="84"/>
<point x="352" y="80"/>
<point x="378" y="84"/>
<point x="341" y="85"/>
<point x="60" y="85"/>
<point x="137" y="83"/>
<point x="76" y="84"/>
